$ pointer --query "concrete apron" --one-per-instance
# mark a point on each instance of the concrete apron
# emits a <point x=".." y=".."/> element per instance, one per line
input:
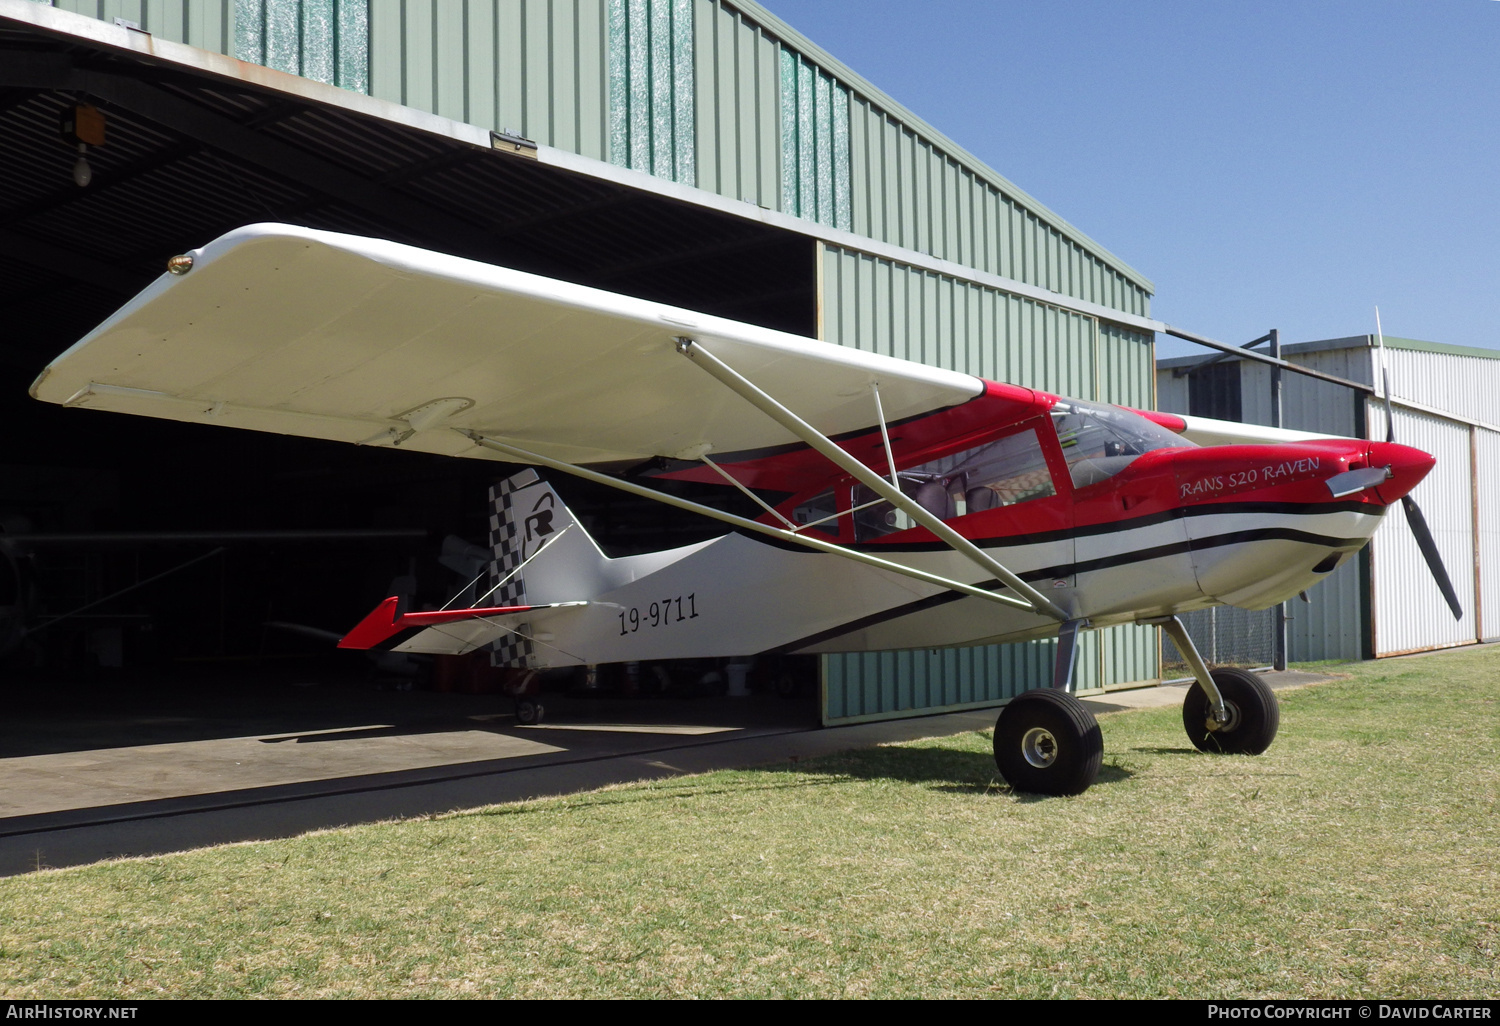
<point x="81" y="806"/>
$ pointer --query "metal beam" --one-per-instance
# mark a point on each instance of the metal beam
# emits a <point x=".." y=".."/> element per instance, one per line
<point x="1179" y="372"/>
<point x="588" y="208"/>
<point x="86" y="538"/>
<point x="1246" y="354"/>
<point x="103" y="181"/>
<point x="748" y="391"/>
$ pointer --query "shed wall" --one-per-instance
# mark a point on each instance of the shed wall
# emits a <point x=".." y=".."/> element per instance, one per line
<point x="738" y="79"/>
<point x="1487" y="461"/>
<point x="1462" y="385"/>
<point x="1409" y="613"/>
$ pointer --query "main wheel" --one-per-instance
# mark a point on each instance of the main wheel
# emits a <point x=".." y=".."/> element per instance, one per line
<point x="529" y="711"/>
<point x="1254" y="715"/>
<point x="1047" y="742"/>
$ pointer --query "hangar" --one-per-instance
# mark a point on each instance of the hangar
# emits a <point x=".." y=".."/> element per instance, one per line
<point x="697" y="152"/>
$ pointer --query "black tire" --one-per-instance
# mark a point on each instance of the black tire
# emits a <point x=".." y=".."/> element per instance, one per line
<point x="529" y="711"/>
<point x="1048" y="742"/>
<point x="1254" y="715"/>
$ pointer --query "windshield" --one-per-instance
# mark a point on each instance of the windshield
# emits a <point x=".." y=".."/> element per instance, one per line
<point x="1099" y="441"/>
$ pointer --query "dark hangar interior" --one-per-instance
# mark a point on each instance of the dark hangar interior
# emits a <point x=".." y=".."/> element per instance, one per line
<point x="95" y="503"/>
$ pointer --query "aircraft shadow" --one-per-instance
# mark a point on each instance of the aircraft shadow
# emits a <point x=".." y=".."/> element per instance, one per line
<point x="51" y="717"/>
<point x="939" y="769"/>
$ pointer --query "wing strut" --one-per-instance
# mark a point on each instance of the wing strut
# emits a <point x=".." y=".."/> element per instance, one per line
<point x="748" y="391"/>
<point x="525" y="456"/>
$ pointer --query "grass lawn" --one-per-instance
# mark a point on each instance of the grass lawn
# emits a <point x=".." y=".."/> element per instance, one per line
<point x="1356" y="858"/>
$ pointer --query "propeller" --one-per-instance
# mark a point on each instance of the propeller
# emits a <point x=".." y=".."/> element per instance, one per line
<point x="1414" y="518"/>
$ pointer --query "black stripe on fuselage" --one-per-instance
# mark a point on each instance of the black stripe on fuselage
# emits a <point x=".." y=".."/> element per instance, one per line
<point x="1305" y="509"/>
<point x="1086" y="566"/>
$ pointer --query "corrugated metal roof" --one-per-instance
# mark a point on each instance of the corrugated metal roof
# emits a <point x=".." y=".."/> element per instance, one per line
<point x="1357" y="342"/>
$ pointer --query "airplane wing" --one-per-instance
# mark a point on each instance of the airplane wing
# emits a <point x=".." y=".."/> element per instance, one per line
<point x="1207" y="431"/>
<point x="295" y="331"/>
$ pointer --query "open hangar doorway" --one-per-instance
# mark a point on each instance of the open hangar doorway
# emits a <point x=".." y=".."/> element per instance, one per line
<point x="173" y="543"/>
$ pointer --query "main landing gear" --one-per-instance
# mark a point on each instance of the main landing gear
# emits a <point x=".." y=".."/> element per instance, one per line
<point x="1048" y="742"/>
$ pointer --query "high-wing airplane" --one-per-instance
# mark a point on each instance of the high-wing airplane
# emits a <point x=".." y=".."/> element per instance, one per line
<point x="903" y="506"/>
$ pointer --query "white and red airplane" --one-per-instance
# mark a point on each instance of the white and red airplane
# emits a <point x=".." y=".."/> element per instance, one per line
<point x="904" y="506"/>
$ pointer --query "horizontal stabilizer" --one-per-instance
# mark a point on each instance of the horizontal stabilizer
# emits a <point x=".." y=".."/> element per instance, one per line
<point x="438" y="631"/>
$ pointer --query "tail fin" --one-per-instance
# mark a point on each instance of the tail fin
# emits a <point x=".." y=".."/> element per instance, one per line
<point x="526" y="516"/>
<point x="524" y="513"/>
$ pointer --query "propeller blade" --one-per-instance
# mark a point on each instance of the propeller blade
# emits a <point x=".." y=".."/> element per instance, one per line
<point x="1425" y="542"/>
<point x="1390" y="421"/>
<point x="1385" y="374"/>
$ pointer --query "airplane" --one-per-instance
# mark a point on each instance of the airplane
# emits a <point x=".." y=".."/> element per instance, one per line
<point x="902" y="506"/>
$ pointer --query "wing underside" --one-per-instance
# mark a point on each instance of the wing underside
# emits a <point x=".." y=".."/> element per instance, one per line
<point x="296" y="331"/>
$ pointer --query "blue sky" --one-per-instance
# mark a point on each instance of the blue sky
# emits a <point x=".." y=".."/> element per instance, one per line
<point x="1266" y="164"/>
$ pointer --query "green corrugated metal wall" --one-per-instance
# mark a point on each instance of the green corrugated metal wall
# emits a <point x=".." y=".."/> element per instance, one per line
<point x="877" y="305"/>
<point x="738" y="114"/>
<point x="206" y="24"/>
<point x="694" y="91"/>
<point x="539" y="68"/>
<point x="814" y="144"/>
<point x="324" y="40"/>
<point x="910" y="193"/>
<point x="651" y="125"/>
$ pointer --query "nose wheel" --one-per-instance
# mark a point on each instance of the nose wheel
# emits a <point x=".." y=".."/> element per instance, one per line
<point x="1048" y="742"/>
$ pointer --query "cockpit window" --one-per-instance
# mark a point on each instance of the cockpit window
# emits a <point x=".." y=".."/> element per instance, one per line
<point x="1099" y="441"/>
<point x="818" y="513"/>
<point x="1004" y="472"/>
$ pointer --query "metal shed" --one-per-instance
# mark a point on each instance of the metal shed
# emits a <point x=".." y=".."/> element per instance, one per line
<point x="696" y="151"/>
<point x="1384" y="602"/>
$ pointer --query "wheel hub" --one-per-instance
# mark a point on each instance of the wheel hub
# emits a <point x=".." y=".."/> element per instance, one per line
<point x="1231" y="718"/>
<point x="1039" y="747"/>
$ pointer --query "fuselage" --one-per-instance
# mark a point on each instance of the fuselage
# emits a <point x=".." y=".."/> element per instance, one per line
<point x="1108" y="511"/>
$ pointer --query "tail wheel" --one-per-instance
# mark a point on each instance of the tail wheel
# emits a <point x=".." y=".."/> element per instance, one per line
<point x="1048" y="742"/>
<point x="1254" y="715"/>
